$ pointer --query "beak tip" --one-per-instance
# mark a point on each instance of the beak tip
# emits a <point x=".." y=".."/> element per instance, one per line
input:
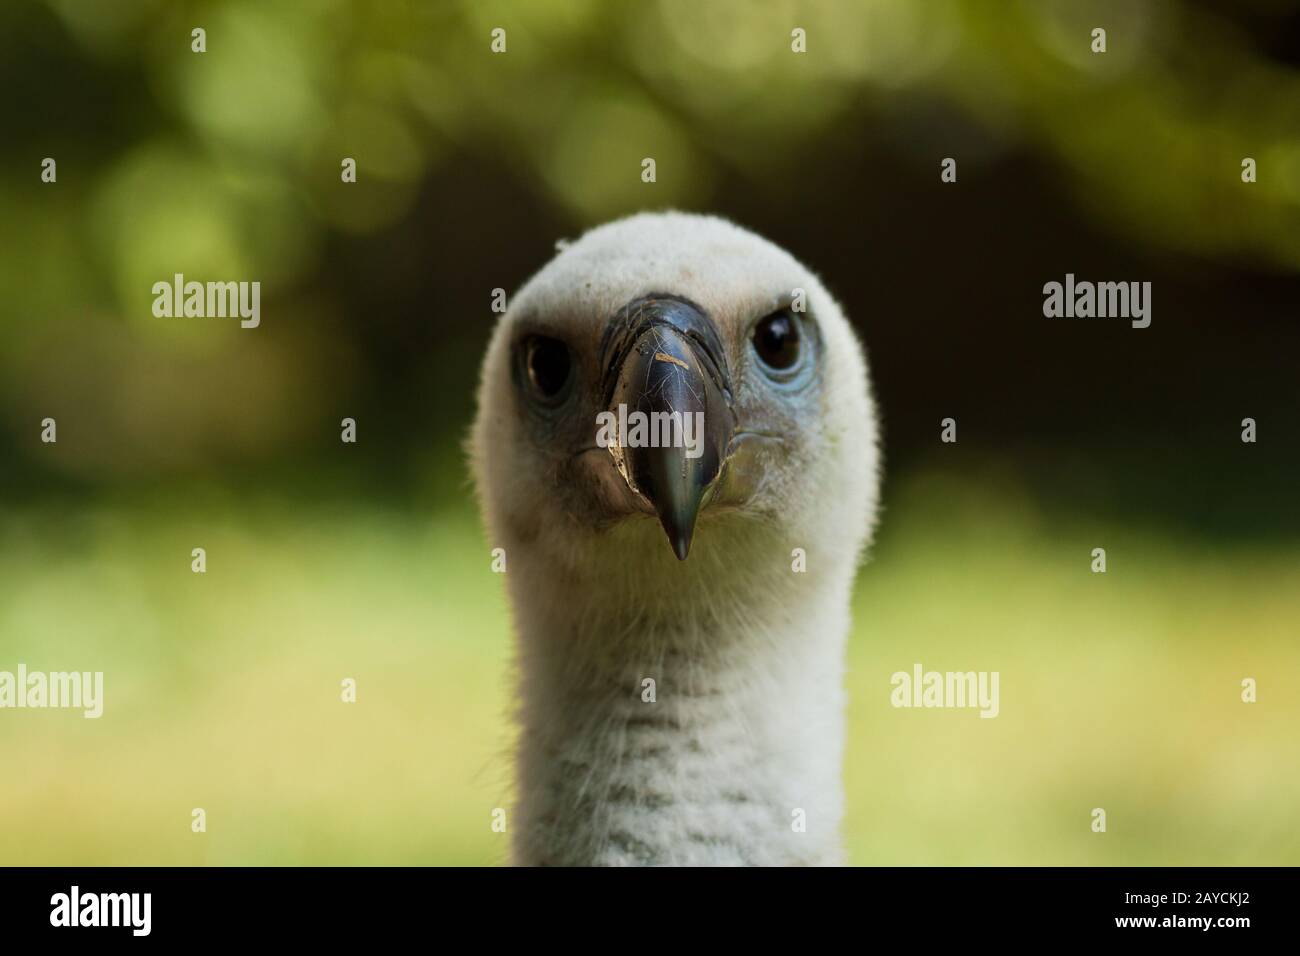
<point x="682" y="547"/>
<point x="680" y="533"/>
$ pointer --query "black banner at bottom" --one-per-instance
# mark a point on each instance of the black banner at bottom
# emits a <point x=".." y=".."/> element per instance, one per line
<point x="1226" y="905"/>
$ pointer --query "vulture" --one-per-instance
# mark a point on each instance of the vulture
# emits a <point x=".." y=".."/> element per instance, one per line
<point x="680" y="596"/>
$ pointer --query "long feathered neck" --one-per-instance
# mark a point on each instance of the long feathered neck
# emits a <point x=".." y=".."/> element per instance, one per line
<point x="677" y="714"/>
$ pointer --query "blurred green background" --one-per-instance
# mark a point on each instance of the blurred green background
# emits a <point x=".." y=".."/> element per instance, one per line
<point x="328" y="560"/>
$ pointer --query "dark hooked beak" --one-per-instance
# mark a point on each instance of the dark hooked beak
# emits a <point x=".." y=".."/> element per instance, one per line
<point x="662" y="358"/>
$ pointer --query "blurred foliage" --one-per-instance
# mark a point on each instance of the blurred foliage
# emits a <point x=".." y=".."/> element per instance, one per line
<point x="226" y="165"/>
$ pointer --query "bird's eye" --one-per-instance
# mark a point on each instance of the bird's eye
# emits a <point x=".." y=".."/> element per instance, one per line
<point x="776" y="340"/>
<point x="548" y="364"/>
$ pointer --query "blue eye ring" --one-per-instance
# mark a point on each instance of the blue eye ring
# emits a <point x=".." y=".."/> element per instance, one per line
<point x="784" y="343"/>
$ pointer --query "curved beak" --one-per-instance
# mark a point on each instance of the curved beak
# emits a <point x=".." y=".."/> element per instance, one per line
<point x="670" y="400"/>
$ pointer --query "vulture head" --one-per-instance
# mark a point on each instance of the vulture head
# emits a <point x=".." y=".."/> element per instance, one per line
<point x="732" y="352"/>
<point x="712" y="550"/>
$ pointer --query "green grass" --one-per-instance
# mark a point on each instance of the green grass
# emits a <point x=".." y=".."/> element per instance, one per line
<point x="1118" y="690"/>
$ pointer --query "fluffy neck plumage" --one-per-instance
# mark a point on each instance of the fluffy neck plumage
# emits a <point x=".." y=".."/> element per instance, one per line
<point x="735" y="760"/>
